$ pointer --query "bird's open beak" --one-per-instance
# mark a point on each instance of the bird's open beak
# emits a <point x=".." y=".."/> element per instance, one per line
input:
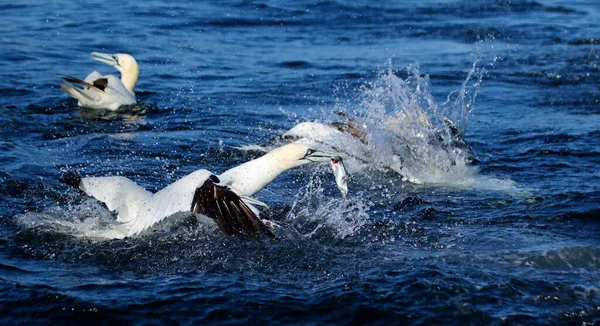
<point x="108" y="59"/>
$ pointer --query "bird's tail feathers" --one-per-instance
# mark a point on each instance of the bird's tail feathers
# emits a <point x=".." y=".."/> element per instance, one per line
<point x="67" y="85"/>
<point x="75" y="92"/>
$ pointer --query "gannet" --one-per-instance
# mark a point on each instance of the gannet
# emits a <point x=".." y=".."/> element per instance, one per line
<point x="224" y="198"/>
<point x="105" y="92"/>
<point x="362" y="149"/>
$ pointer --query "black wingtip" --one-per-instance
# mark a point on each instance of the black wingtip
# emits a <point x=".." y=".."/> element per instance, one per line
<point x="71" y="178"/>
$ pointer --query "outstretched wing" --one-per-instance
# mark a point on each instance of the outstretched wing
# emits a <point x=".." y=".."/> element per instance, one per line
<point x="228" y="210"/>
<point x="119" y="194"/>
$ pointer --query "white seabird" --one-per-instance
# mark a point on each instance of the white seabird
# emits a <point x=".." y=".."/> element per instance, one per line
<point x="105" y="91"/>
<point x="386" y="148"/>
<point x="223" y="198"/>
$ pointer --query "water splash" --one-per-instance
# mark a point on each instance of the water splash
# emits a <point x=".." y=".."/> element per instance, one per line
<point x="315" y="213"/>
<point x="408" y="132"/>
<point x="397" y="125"/>
<point x="88" y="219"/>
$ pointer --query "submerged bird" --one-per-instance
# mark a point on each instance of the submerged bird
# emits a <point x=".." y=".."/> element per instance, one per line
<point x="321" y="132"/>
<point x="364" y="149"/>
<point x="223" y="198"/>
<point x="105" y="91"/>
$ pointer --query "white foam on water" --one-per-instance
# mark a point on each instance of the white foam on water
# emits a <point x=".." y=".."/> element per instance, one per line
<point x="88" y="219"/>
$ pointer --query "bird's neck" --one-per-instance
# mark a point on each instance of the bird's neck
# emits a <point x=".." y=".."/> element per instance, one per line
<point x="129" y="78"/>
<point x="250" y="177"/>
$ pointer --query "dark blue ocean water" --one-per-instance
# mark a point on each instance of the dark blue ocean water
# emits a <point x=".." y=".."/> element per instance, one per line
<point x="517" y="242"/>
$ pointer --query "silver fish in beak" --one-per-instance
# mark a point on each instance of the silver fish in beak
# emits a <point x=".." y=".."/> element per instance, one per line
<point x="339" y="171"/>
<point x="341" y="176"/>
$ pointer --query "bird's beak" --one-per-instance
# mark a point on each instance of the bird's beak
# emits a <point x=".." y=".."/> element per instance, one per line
<point x="320" y="156"/>
<point x="108" y="59"/>
<point x="339" y="171"/>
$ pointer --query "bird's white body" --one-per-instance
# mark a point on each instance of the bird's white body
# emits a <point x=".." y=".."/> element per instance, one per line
<point x="138" y="209"/>
<point x="313" y="130"/>
<point x="108" y="92"/>
<point x="325" y="137"/>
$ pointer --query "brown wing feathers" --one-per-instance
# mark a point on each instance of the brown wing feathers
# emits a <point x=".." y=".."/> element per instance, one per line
<point x="228" y="210"/>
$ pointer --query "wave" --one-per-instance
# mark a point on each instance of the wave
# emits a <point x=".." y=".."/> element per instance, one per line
<point x="568" y="258"/>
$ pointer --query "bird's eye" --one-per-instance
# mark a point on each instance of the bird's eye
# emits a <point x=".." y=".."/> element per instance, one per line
<point x="309" y="152"/>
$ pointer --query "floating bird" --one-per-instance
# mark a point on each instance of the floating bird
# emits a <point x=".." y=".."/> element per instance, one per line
<point x="105" y="92"/>
<point x="223" y="198"/>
